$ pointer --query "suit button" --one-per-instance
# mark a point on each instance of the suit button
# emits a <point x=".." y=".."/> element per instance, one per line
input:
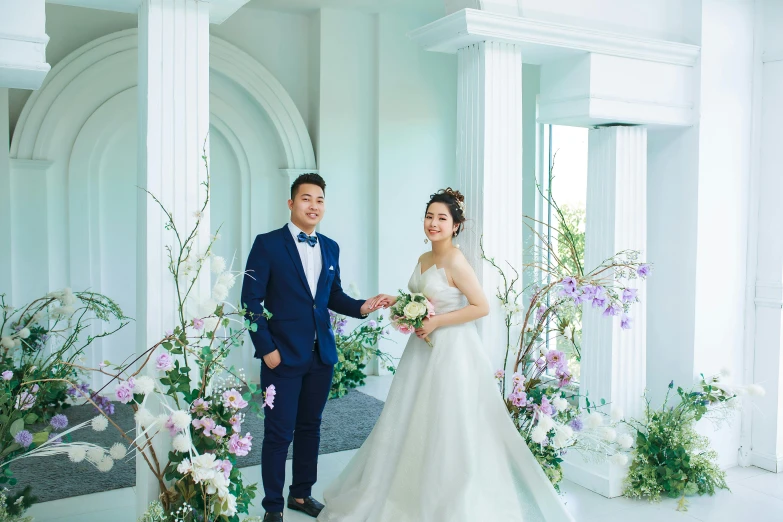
<point x="314" y="307"/>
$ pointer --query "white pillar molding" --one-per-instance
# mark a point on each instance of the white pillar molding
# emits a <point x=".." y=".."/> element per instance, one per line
<point x="489" y="168"/>
<point x="614" y="360"/>
<point x="6" y="278"/>
<point x="173" y="130"/>
<point x="23" y="42"/>
<point x="292" y="174"/>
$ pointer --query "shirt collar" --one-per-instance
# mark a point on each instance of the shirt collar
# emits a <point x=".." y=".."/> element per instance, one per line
<point x="295" y="230"/>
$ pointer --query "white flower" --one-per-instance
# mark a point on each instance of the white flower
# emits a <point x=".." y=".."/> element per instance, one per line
<point x="546" y="423"/>
<point x="538" y="434"/>
<point x="76" y="454"/>
<point x="218" y="265"/>
<point x="68" y="299"/>
<point x="207" y="307"/>
<point x="755" y="389"/>
<point x="619" y="459"/>
<point x="95" y="455"/>
<point x="594" y="420"/>
<point x="118" y="451"/>
<point x="185" y="467"/>
<point x="560" y="441"/>
<point x="608" y="434"/>
<point x="106" y="464"/>
<point x="230" y="507"/>
<point x="7" y="343"/>
<point x="566" y="430"/>
<point x="204" y="468"/>
<point x="625" y="441"/>
<point x="219" y="292"/>
<point x="226" y="279"/>
<point x="561" y="404"/>
<point x="144" y="385"/>
<point x="37" y="316"/>
<point x="181" y="443"/>
<point x="144" y="417"/>
<point x="100" y="423"/>
<point x="24" y="333"/>
<point x="181" y="420"/>
<point x="617" y="414"/>
<point x="414" y="310"/>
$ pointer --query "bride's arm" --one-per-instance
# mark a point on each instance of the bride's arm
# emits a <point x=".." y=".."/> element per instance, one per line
<point x="465" y="279"/>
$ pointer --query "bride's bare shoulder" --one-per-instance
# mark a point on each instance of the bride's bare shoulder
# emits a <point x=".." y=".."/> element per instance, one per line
<point x="456" y="260"/>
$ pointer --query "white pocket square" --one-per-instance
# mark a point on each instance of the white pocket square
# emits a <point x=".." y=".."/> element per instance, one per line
<point x="331" y="268"/>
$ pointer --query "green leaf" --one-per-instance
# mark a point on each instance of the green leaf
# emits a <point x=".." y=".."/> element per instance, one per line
<point x="40" y="437"/>
<point x="16" y="427"/>
<point x="254" y="327"/>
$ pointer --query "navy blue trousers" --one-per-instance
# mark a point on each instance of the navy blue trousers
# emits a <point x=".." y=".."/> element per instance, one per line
<point x="299" y="404"/>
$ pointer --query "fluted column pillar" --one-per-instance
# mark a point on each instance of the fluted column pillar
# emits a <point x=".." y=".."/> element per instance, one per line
<point x="614" y="360"/>
<point x="173" y="129"/>
<point x="489" y="167"/>
<point x="6" y="278"/>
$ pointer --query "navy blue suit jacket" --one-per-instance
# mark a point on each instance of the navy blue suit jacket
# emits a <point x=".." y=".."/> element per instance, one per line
<point x="275" y="280"/>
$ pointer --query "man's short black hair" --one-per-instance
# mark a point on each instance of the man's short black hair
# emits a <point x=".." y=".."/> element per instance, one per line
<point x="309" y="179"/>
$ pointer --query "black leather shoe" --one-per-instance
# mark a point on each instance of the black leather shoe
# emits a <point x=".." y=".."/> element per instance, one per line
<point x="273" y="517"/>
<point x="310" y="507"/>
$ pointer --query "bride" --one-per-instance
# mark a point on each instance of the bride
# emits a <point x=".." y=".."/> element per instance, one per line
<point x="444" y="448"/>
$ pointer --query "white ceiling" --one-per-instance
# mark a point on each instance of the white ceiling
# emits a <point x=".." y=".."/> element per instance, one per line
<point x="434" y="7"/>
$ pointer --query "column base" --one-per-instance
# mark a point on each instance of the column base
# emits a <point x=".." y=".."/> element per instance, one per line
<point x="767" y="461"/>
<point x="603" y="478"/>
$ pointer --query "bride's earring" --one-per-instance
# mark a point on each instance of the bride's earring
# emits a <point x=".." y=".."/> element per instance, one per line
<point x="426" y="240"/>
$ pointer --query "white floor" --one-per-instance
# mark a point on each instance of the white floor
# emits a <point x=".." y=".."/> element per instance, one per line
<point x="756" y="495"/>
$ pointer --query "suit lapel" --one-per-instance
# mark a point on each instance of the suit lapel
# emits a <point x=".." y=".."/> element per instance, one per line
<point x="325" y="265"/>
<point x="290" y="245"/>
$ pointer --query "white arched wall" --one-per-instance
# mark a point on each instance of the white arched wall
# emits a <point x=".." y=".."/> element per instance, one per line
<point x="83" y="122"/>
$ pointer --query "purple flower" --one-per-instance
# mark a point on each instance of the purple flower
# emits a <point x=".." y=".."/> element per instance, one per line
<point x="198" y="324"/>
<point x="7" y="375"/>
<point x="219" y="431"/>
<point x="269" y="397"/>
<point x="372" y="324"/>
<point x="164" y="362"/>
<point x="59" y="421"/>
<point x="546" y="408"/>
<point x="25" y="400"/>
<point x="200" y="407"/>
<point x="55" y="438"/>
<point x="625" y="322"/>
<point x="629" y="295"/>
<point x="564" y="376"/>
<point x="576" y="424"/>
<point x="240" y="446"/>
<point x="24" y="438"/>
<point x="225" y="466"/>
<point x="588" y="292"/>
<point x="613" y="310"/>
<point x="541" y="363"/>
<point x="599" y="298"/>
<point x="540" y="312"/>
<point x="123" y="393"/>
<point x="644" y="270"/>
<point x="568" y="287"/>
<point x="554" y="358"/>
<point x="518" y="399"/>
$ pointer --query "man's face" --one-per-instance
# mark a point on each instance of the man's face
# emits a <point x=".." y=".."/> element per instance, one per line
<point x="308" y="207"/>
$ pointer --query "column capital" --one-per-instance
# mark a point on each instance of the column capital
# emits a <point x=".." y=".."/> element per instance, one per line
<point x="545" y="41"/>
<point x="23" y="42"/>
<point x="219" y="10"/>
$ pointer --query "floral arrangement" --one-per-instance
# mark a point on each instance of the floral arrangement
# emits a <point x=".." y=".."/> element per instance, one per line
<point x="353" y="350"/>
<point x="670" y="458"/>
<point x="547" y="412"/>
<point x="42" y="342"/>
<point x="409" y="312"/>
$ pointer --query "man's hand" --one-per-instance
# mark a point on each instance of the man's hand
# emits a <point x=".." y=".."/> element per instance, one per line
<point x="374" y="303"/>
<point x="273" y="359"/>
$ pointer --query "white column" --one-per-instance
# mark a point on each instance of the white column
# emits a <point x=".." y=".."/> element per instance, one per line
<point x="6" y="277"/>
<point x="489" y="168"/>
<point x="173" y="127"/>
<point x="614" y="360"/>
<point x="23" y="42"/>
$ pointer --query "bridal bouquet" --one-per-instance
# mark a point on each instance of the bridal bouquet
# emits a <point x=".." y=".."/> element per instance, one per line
<point x="410" y="311"/>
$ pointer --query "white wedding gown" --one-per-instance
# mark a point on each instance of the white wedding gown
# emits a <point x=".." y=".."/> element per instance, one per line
<point x="444" y="448"/>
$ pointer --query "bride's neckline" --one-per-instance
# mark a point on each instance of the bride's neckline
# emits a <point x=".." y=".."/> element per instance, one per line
<point x="435" y="266"/>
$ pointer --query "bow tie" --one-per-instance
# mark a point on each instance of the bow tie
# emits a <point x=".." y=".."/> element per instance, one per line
<point x="311" y="240"/>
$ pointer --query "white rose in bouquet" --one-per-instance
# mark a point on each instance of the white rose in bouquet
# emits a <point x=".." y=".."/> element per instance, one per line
<point x="414" y="310"/>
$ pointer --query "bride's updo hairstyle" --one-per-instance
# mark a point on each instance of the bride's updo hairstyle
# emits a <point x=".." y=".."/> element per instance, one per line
<point x="456" y="203"/>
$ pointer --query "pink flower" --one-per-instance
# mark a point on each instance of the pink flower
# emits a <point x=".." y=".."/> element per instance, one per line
<point x="225" y="466"/>
<point x="198" y="324"/>
<point x="499" y="374"/>
<point x="7" y="375"/>
<point x="240" y="446"/>
<point x="25" y="400"/>
<point x="430" y="308"/>
<point x="207" y="424"/>
<point x="233" y="400"/>
<point x="404" y="328"/>
<point x="517" y="378"/>
<point x="124" y="393"/>
<point x="554" y="358"/>
<point x="269" y="398"/>
<point x="171" y="427"/>
<point x="518" y="399"/>
<point x="219" y="431"/>
<point x="200" y="407"/>
<point x="236" y="420"/>
<point x="164" y="362"/>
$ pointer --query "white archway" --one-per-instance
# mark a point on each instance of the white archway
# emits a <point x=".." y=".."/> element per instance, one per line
<point x="88" y="105"/>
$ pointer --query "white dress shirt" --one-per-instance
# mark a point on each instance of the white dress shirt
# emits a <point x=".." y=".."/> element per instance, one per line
<point x="311" y="258"/>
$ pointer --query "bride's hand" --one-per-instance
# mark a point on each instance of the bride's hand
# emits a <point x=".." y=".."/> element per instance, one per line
<point x="427" y="327"/>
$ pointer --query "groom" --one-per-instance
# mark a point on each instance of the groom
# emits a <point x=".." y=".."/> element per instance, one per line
<point x="294" y="274"/>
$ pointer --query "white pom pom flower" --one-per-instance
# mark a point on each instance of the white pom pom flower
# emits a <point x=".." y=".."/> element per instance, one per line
<point x="118" y="451"/>
<point x="608" y="434"/>
<point x="96" y="455"/>
<point x="538" y="434"/>
<point x="218" y="265"/>
<point x="105" y="465"/>
<point x="619" y="459"/>
<point x="99" y="423"/>
<point x="616" y="414"/>
<point x="144" y="385"/>
<point x="181" y="443"/>
<point x="594" y="420"/>
<point x="625" y="441"/>
<point x="77" y="454"/>
<point x="181" y="420"/>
